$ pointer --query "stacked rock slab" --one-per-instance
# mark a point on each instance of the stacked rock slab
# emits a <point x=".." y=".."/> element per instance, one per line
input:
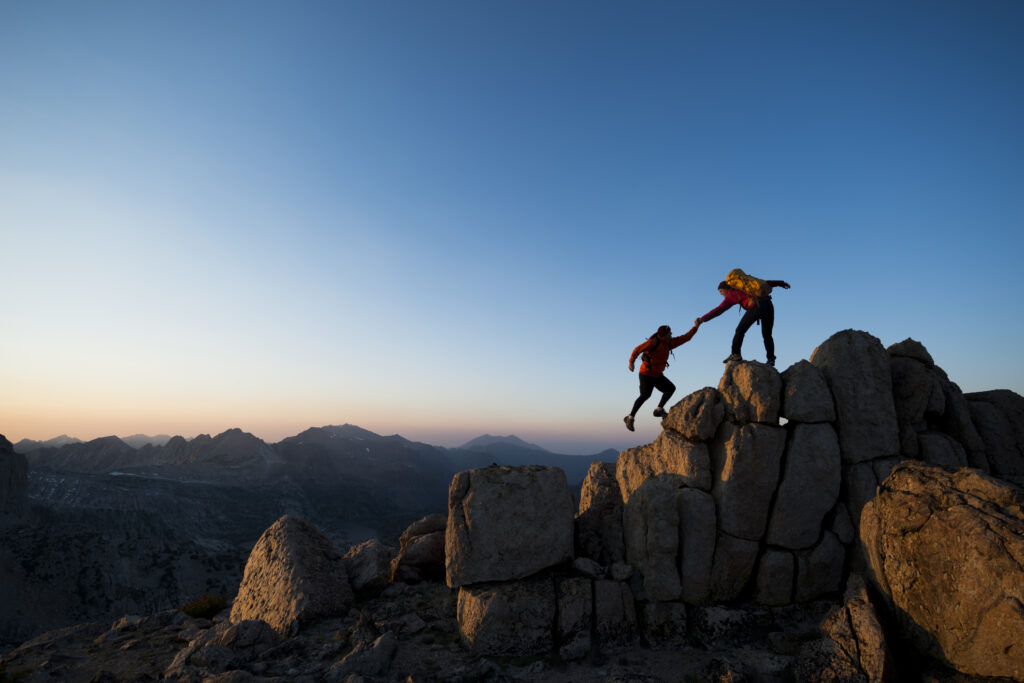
<point x="506" y="527"/>
<point x="858" y="372"/>
<point x="934" y="416"/>
<point x="728" y="503"/>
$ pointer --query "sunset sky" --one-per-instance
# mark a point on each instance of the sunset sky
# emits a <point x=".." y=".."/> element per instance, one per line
<point x="443" y="219"/>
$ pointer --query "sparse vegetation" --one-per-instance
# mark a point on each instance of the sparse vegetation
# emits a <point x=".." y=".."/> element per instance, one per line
<point x="206" y="607"/>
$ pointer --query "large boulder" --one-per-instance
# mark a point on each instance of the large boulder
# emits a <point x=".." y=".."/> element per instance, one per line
<point x="697" y="416"/>
<point x="294" y="575"/>
<point x="809" y="488"/>
<point x="670" y="456"/>
<point x="508" y="619"/>
<point x="421" y="553"/>
<point x="999" y="418"/>
<point x="368" y="566"/>
<point x="599" y="520"/>
<point x="752" y="392"/>
<point x="857" y="369"/>
<point x="507" y="523"/>
<point x="947" y="548"/>
<point x="805" y="394"/>
<point x="746" y="462"/>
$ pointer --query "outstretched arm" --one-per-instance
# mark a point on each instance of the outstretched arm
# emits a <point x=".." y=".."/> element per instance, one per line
<point x="683" y="338"/>
<point x="715" y="312"/>
<point x="778" y="283"/>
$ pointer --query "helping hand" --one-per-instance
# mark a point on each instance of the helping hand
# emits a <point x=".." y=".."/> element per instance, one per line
<point x="785" y="285"/>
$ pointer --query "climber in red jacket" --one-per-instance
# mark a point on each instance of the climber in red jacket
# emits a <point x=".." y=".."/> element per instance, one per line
<point x="655" y="359"/>
<point x="758" y="309"/>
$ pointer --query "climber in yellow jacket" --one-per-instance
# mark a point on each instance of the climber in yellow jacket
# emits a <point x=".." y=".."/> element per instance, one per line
<point x="655" y="352"/>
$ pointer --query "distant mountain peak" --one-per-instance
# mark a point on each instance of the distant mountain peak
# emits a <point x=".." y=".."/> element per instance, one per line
<point x="510" y="440"/>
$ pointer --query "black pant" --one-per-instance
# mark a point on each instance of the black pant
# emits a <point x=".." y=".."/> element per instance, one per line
<point x="648" y="384"/>
<point x="765" y="312"/>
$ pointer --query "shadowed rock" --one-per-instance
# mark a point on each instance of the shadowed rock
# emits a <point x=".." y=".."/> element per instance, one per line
<point x="746" y="462"/>
<point x="999" y="418"/>
<point x="599" y="521"/>
<point x="508" y="619"/>
<point x="805" y="394"/>
<point x="809" y="487"/>
<point x="421" y="551"/>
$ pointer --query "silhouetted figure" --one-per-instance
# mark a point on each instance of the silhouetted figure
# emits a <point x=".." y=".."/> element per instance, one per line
<point x="758" y="309"/>
<point x="655" y="353"/>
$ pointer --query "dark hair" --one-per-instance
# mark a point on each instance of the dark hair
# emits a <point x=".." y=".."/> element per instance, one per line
<point x="724" y="285"/>
<point x="663" y="328"/>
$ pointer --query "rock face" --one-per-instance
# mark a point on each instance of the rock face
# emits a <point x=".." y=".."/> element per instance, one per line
<point x="856" y="367"/>
<point x="670" y="456"/>
<point x="999" y="418"/>
<point x="599" y="520"/>
<point x="752" y="392"/>
<point x="507" y="523"/>
<point x="948" y="550"/>
<point x="508" y="619"/>
<point x="805" y="395"/>
<point x="809" y="488"/>
<point x="294" y="575"/>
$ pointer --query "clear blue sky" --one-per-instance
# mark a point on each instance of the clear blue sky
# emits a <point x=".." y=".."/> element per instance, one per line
<point x="441" y="219"/>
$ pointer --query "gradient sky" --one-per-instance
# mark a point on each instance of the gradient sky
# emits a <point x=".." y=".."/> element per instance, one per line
<point x="441" y="219"/>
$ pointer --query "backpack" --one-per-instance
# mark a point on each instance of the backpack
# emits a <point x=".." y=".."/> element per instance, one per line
<point x="645" y="356"/>
<point x="754" y="286"/>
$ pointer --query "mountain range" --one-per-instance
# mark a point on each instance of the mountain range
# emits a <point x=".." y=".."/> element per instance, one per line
<point x="154" y="526"/>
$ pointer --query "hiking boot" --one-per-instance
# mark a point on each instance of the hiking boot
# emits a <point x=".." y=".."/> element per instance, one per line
<point x="660" y="412"/>
<point x="733" y="358"/>
<point x="629" y="422"/>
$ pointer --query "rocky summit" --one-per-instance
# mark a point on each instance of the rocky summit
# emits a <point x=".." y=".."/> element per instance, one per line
<point x="853" y="518"/>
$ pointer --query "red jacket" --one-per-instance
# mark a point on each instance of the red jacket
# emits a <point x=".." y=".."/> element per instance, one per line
<point x="733" y="297"/>
<point x="657" y="359"/>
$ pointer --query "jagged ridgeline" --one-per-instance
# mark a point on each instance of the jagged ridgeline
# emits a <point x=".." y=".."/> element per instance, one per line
<point x="809" y="525"/>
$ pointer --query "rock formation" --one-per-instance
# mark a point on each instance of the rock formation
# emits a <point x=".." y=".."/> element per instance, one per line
<point x="722" y="547"/>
